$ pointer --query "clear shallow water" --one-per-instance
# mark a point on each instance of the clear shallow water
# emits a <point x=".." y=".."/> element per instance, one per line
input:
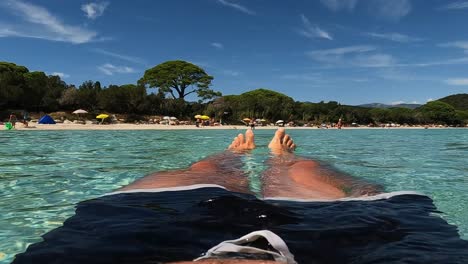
<point x="44" y="173"/>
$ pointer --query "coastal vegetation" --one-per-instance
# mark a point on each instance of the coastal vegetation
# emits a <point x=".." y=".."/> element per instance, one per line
<point x="179" y="78"/>
<point x="21" y="89"/>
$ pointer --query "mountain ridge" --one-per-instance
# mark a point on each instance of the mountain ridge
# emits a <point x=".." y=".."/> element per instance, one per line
<point x="380" y="105"/>
<point x="458" y="101"/>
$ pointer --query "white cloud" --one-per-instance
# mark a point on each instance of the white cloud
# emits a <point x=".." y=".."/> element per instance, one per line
<point x="437" y="63"/>
<point x="217" y="45"/>
<point x="404" y="102"/>
<point x="60" y="74"/>
<point x="312" y="31"/>
<point x="387" y="9"/>
<point x="396" y="74"/>
<point x="94" y="10"/>
<point x="302" y="77"/>
<point x="110" y="69"/>
<point x="430" y="100"/>
<point x="392" y="10"/>
<point x="456" y="44"/>
<point x="41" y="24"/>
<point x="360" y="80"/>
<point x="352" y="56"/>
<point x="318" y="54"/>
<point x="336" y="5"/>
<point x="457" y="81"/>
<point x="374" y="60"/>
<point x="457" y="5"/>
<point x="238" y="7"/>
<point x="6" y="32"/>
<point x="120" y="56"/>
<point x="397" y="37"/>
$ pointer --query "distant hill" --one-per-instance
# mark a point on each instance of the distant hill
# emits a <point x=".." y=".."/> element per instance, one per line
<point x="378" y="105"/>
<point x="458" y="101"/>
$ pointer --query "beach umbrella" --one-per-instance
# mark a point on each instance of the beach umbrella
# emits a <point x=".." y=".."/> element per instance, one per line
<point x="198" y="116"/>
<point x="166" y="118"/>
<point x="204" y="117"/>
<point x="262" y="120"/>
<point x="246" y="119"/>
<point x="80" y="111"/>
<point x="102" y="116"/>
<point x="173" y="118"/>
<point x="279" y="121"/>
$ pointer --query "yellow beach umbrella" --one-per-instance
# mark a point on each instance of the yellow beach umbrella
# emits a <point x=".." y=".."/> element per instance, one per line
<point x="198" y="116"/>
<point x="204" y="117"/>
<point x="246" y="119"/>
<point x="102" y="116"/>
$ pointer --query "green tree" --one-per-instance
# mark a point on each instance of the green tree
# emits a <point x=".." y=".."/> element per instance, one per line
<point x="380" y="115"/>
<point x="154" y="103"/>
<point x="260" y="103"/>
<point x="458" y="101"/>
<point x="438" y="112"/>
<point x="179" y="78"/>
<point x="88" y="94"/>
<point x="35" y="86"/>
<point x="461" y="117"/>
<point x="113" y="99"/>
<point x="128" y="98"/>
<point x="12" y="84"/>
<point x="69" y="98"/>
<point x="136" y="97"/>
<point x="401" y="115"/>
<point x="34" y="91"/>
<point x="53" y="91"/>
<point x="218" y="109"/>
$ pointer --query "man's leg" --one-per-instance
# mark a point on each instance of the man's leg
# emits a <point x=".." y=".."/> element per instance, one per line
<point x="294" y="177"/>
<point x="223" y="169"/>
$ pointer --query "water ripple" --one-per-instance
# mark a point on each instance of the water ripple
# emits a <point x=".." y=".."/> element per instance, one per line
<point x="44" y="173"/>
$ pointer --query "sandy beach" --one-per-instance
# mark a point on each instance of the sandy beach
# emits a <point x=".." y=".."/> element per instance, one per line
<point x="41" y="127"/>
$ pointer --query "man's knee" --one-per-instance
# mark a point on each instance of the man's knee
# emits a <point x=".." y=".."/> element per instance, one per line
<point x="203" y="166"/>
<point x="306" y="165"/>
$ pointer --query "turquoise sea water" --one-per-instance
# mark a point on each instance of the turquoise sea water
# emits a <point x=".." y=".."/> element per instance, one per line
<point x="43" y="174"/>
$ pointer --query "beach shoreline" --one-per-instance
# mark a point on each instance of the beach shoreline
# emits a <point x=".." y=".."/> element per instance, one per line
<point x="40" y="127"/>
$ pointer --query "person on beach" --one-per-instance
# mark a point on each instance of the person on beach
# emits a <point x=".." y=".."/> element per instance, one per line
<point x="252" y="123"/>
<point x="339" y="124"/>
<point x="25" y="118"/>
<point x="208" y="214"/>
<point x="13" y="120"/>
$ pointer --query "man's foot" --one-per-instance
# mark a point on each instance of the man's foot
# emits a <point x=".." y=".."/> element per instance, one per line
<point x="281" y="143"/>
<point x="241" y="143"/>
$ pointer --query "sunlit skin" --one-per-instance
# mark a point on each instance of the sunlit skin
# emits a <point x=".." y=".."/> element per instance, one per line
<point x="290" y="176"/>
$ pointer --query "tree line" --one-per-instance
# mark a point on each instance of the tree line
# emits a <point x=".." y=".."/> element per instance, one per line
<point x="175" y="80"/>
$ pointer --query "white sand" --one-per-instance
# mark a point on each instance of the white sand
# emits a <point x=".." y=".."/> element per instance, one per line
<point x="33" y="126"/>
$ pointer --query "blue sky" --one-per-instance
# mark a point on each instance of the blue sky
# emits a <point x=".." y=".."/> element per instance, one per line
<point x="350" y="51"/>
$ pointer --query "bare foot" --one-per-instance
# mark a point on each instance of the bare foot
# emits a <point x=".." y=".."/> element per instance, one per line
<point x="241" y="143"/>
<point x="281" y="143"/>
